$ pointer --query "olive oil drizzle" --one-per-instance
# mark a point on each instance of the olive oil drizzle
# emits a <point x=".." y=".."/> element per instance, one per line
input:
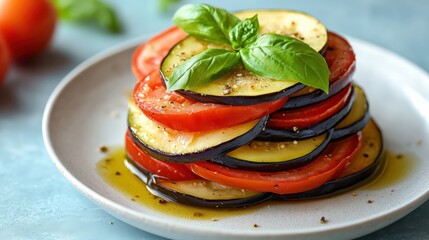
<point x="395" y="168"/>
<point x="113" y="170"/>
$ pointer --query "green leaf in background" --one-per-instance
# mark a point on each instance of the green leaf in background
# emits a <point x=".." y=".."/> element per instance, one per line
<point x="89" y="11"/>
<point x="203" y="68"/>
<point x="244" y="33"/>
<point x="286" y="58"/>
<point x="206" y="22"/>
<point x="165" y="5"/>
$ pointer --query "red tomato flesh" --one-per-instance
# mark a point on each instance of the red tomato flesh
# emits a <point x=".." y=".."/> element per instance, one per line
<point x="171" y="171"/>
<point x="182" y="114"/>
<point x="340" y="58"/>
<point x="310" y="115"/>
<point x="333" y="160"/>
<point x="148" y="56"/>
<point x="177" y="112"/>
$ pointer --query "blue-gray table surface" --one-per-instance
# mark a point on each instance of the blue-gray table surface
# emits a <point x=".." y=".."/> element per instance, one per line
<point x="36" y="201"/>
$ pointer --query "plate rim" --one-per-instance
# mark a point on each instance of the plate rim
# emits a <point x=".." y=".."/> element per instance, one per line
<point x="119" y="211"/>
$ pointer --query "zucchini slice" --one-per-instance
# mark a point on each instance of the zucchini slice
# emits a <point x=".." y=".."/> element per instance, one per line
<point x="275" y="156"/>
<point x="241" y="87"/>
<point x="274" y="134"/>
<point x="367" y="162"/>
<point x="185" y="147"/>
<point x="356" y="119"/>
<point x="198" y="193"/>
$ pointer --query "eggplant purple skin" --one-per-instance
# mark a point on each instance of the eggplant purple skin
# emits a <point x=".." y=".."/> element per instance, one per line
<point x="235" y="163"/>
<point x="241" y="100"/>
<point x="274" y="134"/>
<point x="338" y="82"/>
<point x="170" y="195"/>
<point x="202" y="155"/>
<point x="318" y="95"/>
<point x="235" y="100"/>
<point x="352" y="129"/>
<point x="342" y="184"/>
<point x="337" y="185"/>
<point x="329" y="188"/>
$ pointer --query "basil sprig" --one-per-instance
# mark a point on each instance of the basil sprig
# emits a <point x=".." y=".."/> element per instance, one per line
<point x="283" y="57"/>
<point x="206" y="22"/>
<point x="204" y="68"/>
<point x="274" y="56"/>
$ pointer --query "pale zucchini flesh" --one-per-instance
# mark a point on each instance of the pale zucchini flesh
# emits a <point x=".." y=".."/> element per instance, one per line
<point x="370" y="151"/>
<point x="358" y="110"/>
<point x="205" y="189"/>
<point x="241" y="82"/>
<point x="197" y="193"/>
<point x="171" y="141"/>
<point x="271" y="152"/>
<point x="238" y="82"/>
<point x="292" y="23"/>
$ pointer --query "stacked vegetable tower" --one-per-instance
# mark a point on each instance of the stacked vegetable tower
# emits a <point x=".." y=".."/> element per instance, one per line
<point x="233" y="110"/>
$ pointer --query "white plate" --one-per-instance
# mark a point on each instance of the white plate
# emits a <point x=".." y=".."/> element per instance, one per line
<point x="88" y="109"/>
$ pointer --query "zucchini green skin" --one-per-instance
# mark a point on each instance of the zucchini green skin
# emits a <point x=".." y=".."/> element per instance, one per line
<point x="151" y="182"/>
<point x="204" y="154"/>
<point x="232" y="162"/>
<point x="274" y="134"/>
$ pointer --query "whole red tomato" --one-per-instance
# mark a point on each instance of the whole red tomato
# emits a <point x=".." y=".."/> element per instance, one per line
<point x="4" y="60"/>
<point x="27" y="26"/>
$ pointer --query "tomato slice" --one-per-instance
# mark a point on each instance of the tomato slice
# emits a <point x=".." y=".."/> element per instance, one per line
<point x="148" y="56"/>
<point x="340" y="58"/>
<point x="332" y="160"/>
<point x="171" y="171"/>
<point x="310" y="115"/>
<point x="182" y="114"/>
<point x="177" y="112"/>
<point x="341" y="61"/>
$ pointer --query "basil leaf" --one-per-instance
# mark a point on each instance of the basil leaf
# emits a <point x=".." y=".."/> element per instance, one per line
<point x="244" y="33"/>
<point x="89" y="11"/>
<point x="203" y="68"/>
<point x="206" y="22"/>
<point x="285" y="58"/>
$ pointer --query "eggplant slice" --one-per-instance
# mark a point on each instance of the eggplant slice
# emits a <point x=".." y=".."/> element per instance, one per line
<point x="356" y="119"/>
<point x="275" y="156"/>
<point x="197" y="193"/>
<point x="292" y="23"/>
<point x="275" y="134"/>
<point x="341" y="60"/>
<point x="186" y="147"/>
<point x="367" y="163"/>
<point x="241" y="87"/>
<point x="238" y="87"/>
<point x="202" y="193"/>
